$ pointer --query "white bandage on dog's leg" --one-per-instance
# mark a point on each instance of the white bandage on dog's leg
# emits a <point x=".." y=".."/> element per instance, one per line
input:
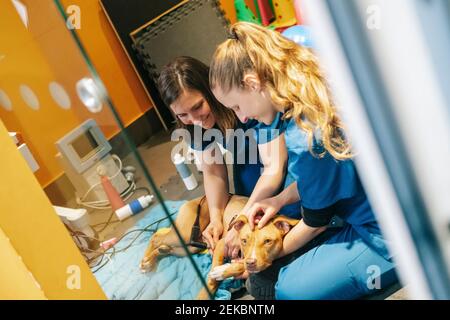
<point x="217" y="272"/>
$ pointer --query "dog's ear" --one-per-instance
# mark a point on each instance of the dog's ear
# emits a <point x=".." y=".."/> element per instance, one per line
<point x="284" y="224"/>
<point x="238" y="222"/>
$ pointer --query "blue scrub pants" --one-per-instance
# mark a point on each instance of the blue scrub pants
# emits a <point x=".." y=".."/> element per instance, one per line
<point x="342" y="267"/>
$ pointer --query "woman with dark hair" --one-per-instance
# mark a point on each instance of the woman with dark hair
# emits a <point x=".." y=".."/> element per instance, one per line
<point x="184" y="88"/>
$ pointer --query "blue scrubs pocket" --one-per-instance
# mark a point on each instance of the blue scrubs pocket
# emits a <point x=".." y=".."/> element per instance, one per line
<point x="371" y="272"/>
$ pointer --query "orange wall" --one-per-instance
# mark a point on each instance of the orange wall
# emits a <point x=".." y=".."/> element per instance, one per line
<point x="45" y="52"/>
<point x="228" y="7"/>
<point x="39" y="245"/>
<point x="26" y="61"/>
<point x="110" y="60"/>
<point x="16" y="281"/>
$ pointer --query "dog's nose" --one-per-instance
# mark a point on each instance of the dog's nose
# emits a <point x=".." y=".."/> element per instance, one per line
<point x="250" y="262"/>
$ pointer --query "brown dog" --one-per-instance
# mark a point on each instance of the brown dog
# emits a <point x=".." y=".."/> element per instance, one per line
<point x="260" y="247"/>
<point x="256" y="248"/>
<point x="164" y="243"/>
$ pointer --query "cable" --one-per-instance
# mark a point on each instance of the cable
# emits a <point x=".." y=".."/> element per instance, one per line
<point x="101" y="254"/>
<point x="145" y="189"/>
<point x="104" y="204"/>
<point x="141" y="231"/>
<point x="108" y="222"/>
<point x="105" y="263"/>
<point x="115" y="157"/>
<point x="99" y="262"/>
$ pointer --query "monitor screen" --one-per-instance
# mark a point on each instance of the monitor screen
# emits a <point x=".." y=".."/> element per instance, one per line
<point x="85" y="144"/>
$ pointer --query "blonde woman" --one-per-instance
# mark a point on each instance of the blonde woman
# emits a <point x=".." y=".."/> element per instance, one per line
<point x="255" y="72"/>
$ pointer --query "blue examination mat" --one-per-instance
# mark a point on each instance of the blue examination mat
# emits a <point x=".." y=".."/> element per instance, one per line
<point x="175" y="277"/>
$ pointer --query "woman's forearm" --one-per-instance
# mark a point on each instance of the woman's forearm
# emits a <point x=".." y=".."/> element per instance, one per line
<point x="274" y="158"/>
<point x="216" y="191"/>
<point x="288" y="195"/>
<point x="266" y="187"/>
<point x="300" y="235"/>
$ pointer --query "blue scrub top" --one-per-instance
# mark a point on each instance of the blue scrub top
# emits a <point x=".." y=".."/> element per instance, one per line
<point x="267" y="133"/>
<point x="325" y="182"/>
<point x="245" y="173"/>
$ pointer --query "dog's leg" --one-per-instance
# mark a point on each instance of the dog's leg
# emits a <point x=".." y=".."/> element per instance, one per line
<point x="165" y="242"/>
<point x="217" y="260"/>
<point x="235" y="205"/>
<point x="156" y="248"/>
<point x="234" y="270"/>
<point x="150" y="259"/>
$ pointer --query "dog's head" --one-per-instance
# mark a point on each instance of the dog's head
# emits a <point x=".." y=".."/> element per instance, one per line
<point x="261" y="246"/>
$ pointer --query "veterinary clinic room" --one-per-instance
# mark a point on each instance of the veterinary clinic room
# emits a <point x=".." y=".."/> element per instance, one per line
<point x="224" y="150"/>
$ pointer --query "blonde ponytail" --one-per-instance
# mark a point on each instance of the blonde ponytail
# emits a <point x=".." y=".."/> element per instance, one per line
<point x="291" y="75"/>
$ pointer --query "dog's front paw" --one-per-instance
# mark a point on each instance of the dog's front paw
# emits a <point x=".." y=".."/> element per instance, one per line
<point x="218" y="272"/>
<point x="147" y="264"/>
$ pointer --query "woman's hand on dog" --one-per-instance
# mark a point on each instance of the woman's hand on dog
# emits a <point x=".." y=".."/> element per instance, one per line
<point x="212" y="233"/>
<point x="262" y="211"/>
<point x="232" y="244"/>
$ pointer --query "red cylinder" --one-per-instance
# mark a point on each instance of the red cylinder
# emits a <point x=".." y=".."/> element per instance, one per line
<point x="113" y="196"/>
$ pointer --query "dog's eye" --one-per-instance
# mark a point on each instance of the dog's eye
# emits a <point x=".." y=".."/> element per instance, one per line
<point x="267" y="241"/>
<point x="244" y="241"/>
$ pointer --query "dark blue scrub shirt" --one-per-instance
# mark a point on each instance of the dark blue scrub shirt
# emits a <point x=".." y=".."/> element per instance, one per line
<point x="327" y="186"/>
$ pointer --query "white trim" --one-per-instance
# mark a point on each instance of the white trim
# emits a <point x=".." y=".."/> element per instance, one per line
<point x="369" y="162"/>
<point x="405" y="63"/>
